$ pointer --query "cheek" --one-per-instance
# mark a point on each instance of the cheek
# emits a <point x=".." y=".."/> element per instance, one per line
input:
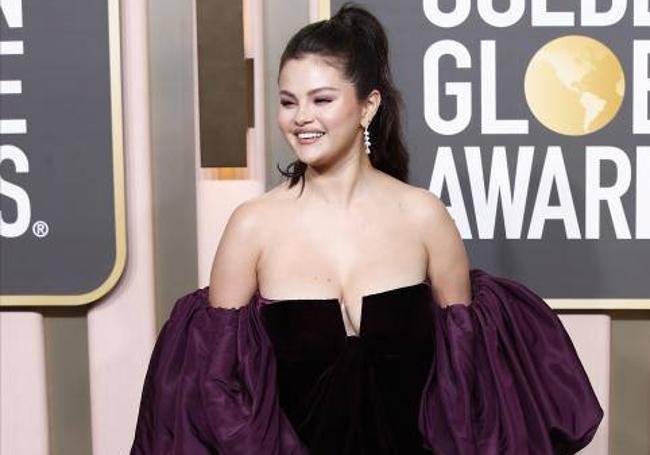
<point x="343" y="118"/>
<point x="345" y="123"/>
<point x="284" y="120"/>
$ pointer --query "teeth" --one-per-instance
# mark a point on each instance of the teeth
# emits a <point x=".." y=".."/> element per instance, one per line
<point x="309" y="135"/>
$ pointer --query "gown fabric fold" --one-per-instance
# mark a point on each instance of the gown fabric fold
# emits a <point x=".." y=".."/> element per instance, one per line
<point x="507" y="378"/>
<point x="504" y="378"/>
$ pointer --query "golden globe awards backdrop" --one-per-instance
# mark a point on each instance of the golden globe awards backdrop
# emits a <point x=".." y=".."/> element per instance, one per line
<point x="62" y="226"/>
<point x="530" y="120"/>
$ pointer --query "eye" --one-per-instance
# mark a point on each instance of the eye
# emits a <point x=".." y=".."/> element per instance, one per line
<point x="322" y="100"/>
<point x="286" y="102"/>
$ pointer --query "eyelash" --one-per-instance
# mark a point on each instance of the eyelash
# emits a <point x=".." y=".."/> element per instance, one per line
<point x="318" y="100"/>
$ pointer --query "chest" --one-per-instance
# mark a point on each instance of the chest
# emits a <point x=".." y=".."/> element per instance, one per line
<point x="341" y="260"/>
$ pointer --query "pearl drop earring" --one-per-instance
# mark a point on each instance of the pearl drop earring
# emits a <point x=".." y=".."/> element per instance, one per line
<point x="366" y="139"/>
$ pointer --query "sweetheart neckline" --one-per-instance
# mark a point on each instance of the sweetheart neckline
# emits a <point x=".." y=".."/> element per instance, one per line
<point x="359" y="333"/>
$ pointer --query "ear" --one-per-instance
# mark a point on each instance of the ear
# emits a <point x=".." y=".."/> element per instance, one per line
<point x="370" y="107"/>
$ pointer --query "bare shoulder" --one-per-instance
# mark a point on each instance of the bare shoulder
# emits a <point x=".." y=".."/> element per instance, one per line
<point x="250" y="219"/>
<point x="431" y="217"/>
<point x="246" y="216"/>
<point x="233" y="277"/>
<point x="423" y="209"/>
<point x="255" y="212"/>
<point x="426" y="207"/>
<point x="448" y="262"/>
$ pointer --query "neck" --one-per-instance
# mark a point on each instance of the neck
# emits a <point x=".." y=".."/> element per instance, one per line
<point x="341" y="185"/>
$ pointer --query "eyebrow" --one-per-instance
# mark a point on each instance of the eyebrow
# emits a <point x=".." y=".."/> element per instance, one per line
<point x="311" y="92"/>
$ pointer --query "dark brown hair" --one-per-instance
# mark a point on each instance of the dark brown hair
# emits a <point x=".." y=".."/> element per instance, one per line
<point x="357" y="40"/>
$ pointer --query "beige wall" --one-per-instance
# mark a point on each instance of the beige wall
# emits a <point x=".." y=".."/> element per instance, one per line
<point x="173" y="166"/>
<point x="281" y="20"/>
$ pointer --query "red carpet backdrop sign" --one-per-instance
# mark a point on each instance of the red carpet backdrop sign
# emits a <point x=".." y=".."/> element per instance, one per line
<point x="62" y="223"/>
<point x="530" y="120"/>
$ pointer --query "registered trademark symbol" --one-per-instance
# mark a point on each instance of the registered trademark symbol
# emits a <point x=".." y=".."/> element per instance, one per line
<point x="40" y="229"/>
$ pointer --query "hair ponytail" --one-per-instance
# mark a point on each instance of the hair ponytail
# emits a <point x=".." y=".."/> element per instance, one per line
<point x="358" y="41"/>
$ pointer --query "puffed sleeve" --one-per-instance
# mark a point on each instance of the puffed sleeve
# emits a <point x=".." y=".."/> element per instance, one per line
<point x="210" y="387"/>
<point x="506" y="378"/>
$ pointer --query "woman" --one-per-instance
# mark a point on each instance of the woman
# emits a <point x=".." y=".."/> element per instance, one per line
<point x="342" y="316"/>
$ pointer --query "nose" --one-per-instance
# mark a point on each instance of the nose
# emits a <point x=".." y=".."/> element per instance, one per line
<point x="303" y="115"/>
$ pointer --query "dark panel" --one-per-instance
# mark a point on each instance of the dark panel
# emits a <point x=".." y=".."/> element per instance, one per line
<point x="68" y="380"/>
<point x="223" y="98"/>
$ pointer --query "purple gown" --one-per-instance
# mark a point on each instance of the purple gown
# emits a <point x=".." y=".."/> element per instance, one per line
<point x="499" y="376"/>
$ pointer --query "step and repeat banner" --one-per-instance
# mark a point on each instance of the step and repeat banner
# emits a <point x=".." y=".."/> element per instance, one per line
<point x="530" y="120"/>
<point x="62" y="221"/>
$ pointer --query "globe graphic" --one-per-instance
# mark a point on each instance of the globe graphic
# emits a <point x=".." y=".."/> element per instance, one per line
<point x="574" y="85"/>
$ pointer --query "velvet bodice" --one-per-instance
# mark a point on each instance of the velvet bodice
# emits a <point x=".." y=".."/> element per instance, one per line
<point x="354" y="393"/>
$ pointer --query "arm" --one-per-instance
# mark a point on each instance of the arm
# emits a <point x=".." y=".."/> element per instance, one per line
<point x="233" y="279"/>
<point x="448" y="264"/>
<point x="211" y="382"/>
<point x="490" y="390"/>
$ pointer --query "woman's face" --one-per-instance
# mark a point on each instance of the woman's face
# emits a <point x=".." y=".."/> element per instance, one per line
<point x="319" y="113"/>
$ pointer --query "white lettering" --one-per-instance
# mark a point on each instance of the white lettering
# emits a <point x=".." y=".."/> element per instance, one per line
<point x="13" y="126"/>
<point x="12" y="10"/>
<point x="642" y="228"/>
<point x="594" y="192"/>
<point x="11" y="48"/>
<point x="589" y="17"/>
<point x="489" y="122"/>
<point x="18" y="194"/>
<point x="511" y="16"/>
<point x="641" y="87"/>
<point x="488" y="195"/>
<point x="641" y="13"/>
<point x="461" y="90"/>
<point x="513" y="203"/>
<point x="542" y="17"/>
<point x="446" y="20"/>
<point x="11" y="87"/>
<point x="554" y="173"/>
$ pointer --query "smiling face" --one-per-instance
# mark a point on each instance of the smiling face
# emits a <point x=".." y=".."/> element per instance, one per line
<point x="319" y="113"/>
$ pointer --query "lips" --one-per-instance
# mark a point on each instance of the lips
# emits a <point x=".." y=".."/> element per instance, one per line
<point x="309" y="137"/>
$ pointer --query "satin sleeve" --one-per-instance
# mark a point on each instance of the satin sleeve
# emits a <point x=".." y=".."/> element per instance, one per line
<point x="506" y="378"/>
<point x="210" y="387"/>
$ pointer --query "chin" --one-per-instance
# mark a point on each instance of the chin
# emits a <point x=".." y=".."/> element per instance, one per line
<point x="310" y="156"/>
<point x="311" y="160"/>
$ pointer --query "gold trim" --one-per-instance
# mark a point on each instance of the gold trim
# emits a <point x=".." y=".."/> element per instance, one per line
<point x="324" y="10"/>
<point x="118" y="185"/>
<point x="230" y="173"/>
<point x="599" y="304"/>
